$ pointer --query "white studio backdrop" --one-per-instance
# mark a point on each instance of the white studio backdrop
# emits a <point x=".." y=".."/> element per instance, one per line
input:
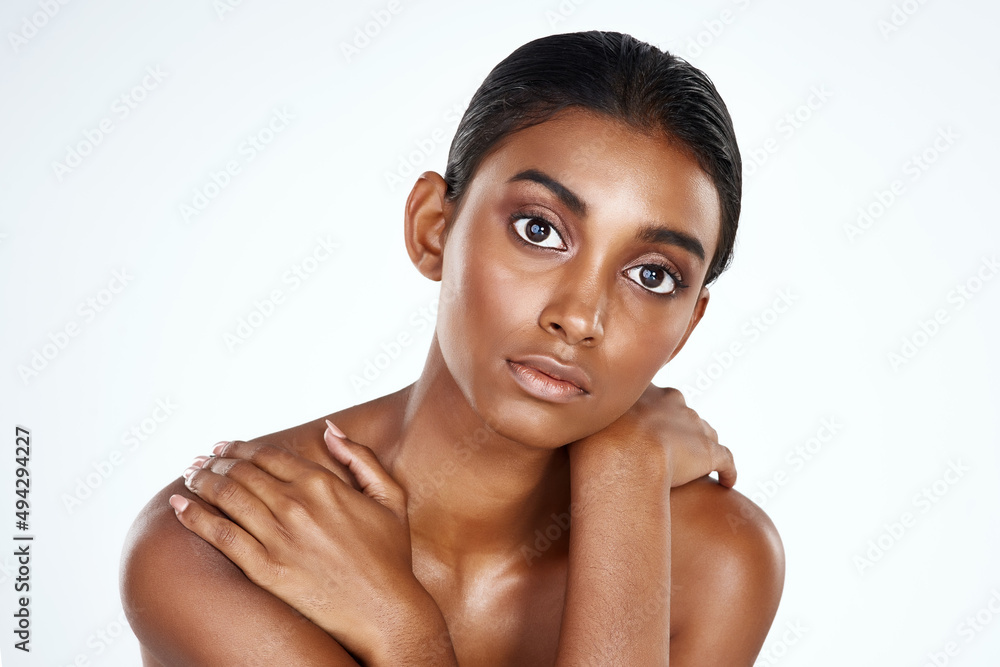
<point x="201" y="239"/>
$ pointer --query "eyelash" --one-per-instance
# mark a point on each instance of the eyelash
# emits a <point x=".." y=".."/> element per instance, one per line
<point x="679" y="284"/>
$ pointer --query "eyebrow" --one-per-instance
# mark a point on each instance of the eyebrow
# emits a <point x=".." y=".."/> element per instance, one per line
<point x="670" y="237"/>
<point x="566" y="196"/>
<point x="649" y="234"/>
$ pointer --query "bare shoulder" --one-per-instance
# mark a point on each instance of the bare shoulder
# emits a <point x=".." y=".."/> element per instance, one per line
<point x="190" y="605"/>
<point x="725" y="518"/>
<point x="728" y="574"/>
<point x="371" y="423"/>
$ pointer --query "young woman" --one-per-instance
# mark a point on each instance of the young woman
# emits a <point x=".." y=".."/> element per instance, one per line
<point x="532" y="499"/>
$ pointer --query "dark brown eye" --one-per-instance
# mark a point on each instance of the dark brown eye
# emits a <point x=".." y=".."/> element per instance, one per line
<point x="653" y="277"/>
<point x="538" y="232"/>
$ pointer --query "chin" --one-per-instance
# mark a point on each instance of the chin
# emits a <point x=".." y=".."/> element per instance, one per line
<point x="539" y="425"/>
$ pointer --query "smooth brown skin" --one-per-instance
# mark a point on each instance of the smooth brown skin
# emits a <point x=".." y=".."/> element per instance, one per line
<point x="190" y="605"/>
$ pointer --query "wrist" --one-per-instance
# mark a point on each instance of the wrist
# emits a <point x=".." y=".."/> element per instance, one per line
<point x="411" y="631"/>
<point x="605" y="457"/>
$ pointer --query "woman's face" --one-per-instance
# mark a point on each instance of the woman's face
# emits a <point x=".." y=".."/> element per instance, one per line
<point x="579" y="252"/>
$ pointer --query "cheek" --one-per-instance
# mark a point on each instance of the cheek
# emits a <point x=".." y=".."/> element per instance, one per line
<point x="483" y="303"/>
<point x="495" y="295"/>
<point x="640" y="343"/>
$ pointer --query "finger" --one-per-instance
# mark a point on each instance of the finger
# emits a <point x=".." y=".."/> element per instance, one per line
<point x="281" y="463"/>
<point x="260" y="483"/>
<point x="278" y="462"/>
<point x="239" y="503"/>
<point x="722" y="461"/>
<point x="373" y="479"/>
<point x="710" y="432"/>
<point x="197" y="463"/>
<point x="238" y="545"/>
<point x="674" y="394"/>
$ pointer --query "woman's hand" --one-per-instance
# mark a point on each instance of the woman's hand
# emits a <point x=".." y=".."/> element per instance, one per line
<point x="661" y="428"/>
<point x="339" y="556"/>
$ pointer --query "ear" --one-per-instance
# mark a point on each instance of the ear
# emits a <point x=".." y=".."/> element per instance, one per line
<point x="426" y="222"/>
<point x="699" y="311"/>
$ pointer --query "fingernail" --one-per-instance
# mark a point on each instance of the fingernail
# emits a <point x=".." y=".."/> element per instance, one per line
<point x="199" y="461"/>
<point x="333" y="429"/>
<point x="218" y="447"/>
<point x="179" y="503"/>
<point x="188" y="472"/>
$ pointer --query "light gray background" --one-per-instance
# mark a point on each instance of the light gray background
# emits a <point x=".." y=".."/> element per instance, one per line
<point x="821" y="353"/>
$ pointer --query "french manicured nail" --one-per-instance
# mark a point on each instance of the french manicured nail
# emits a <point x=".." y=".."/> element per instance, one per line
<point x="178" y="502"/>
<point x="333" y="429"/>
<point x="218" y="447"/>
<point x="188" y="472"/>
<point x="199" y="461"/>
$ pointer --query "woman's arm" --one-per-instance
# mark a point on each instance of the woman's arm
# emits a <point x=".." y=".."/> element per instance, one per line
<point x="189" y="605"/>
<point x="617" y="608"/>
<point x="295" y="531"/>
<point x="618" y="598"/>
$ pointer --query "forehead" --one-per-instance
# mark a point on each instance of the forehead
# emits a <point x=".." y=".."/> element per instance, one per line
<point x="618" y="170"/>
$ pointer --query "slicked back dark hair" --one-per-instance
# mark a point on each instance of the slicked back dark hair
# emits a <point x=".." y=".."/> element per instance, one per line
<point x="616" y="75"/>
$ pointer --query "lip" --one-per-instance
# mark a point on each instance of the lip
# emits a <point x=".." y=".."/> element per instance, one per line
<point x="548" y="379"/>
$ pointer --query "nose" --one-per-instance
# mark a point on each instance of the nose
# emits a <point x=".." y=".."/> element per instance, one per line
<point x="575" y="313"/>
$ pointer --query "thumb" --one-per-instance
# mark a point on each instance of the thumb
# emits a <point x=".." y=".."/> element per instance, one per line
<point x="373" y="479"/>
<point x="725" y="465"/>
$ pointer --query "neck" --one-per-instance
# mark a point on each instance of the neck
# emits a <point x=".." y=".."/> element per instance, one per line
<point x="472" y="491"/>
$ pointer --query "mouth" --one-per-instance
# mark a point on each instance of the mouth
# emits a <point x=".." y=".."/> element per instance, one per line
<point x="549" y="380"/>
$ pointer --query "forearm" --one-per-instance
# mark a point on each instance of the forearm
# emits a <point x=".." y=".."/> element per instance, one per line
<point x="617" y="608"/>
<point x="414" y="633"/>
